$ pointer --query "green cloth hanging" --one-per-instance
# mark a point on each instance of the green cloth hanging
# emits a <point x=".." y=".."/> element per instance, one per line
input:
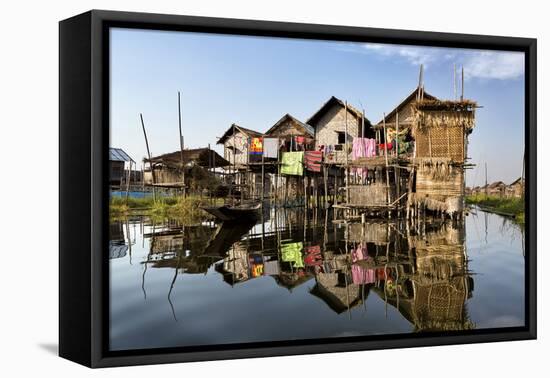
<point x="292" y="163"/>
<point x="292" y="253"/>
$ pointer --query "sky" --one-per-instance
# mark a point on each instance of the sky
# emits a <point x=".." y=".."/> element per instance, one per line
<point x="254" y="81"/>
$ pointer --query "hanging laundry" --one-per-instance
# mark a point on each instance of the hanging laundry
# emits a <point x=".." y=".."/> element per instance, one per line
<point x="362" y="148"/>
<point x="313" y="160"/>
<point x="271" y="148"/>
<point x="300" y="139"/>
<point x="360" y="253"/>
<point x="362" y="276"/>
<point x="271" y="268"/>
<point x="292" y="163"/>
<point x="382" y="274"/>
<point x="292" y="253"/>
<point x="313" y="255"/>
<point x="256" y="264"/>
<point x="384" y="146"/>
<point x="256" y="146"/>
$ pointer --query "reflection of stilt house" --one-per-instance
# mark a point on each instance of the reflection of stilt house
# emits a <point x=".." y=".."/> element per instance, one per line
<point x="234" y="267"/>
<point x="338" y="291"/>
<point x="439" y="287"/>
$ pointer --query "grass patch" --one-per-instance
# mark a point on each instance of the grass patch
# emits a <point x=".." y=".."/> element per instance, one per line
<point x="510" y="206"/>
<point x="187" y="210"/>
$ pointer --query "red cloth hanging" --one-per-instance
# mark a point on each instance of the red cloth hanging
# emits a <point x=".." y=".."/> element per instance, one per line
<point x="313" y="160"/>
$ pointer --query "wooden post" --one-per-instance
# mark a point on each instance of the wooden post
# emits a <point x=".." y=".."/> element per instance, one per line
<point x="128" y="178"/>
<point x="429" y="141"/>
<point x="234" y="166"/>
<point x="181" y="146"/>
<point x="325" y="178"/>
<point x="346" y="152"/>
<point x="409" y="195"/>
<point x="149" y="155"/>
<point x="454" y="80"/>
<point x="386" y="158"/>
<point x="486" y="179"/>
<point x="263" y="175"/>
<point x="363" y="123"/>
<point x="213" y="164"/>
<point x="306" y="194"/>
<point x="397" y="134"/>
<point x="462" y="86"/>
<point x="397" y="171"/>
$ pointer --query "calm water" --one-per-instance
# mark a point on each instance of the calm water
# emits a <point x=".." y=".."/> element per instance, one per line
<point x="310" y="278"/>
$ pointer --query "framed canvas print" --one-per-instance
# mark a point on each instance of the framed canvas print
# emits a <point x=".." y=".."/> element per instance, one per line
<point x="234" y="188"/>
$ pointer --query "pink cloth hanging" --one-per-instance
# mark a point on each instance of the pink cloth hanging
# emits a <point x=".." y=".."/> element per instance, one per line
<point x="359" y="274"/>
<point x="362" y="147"/>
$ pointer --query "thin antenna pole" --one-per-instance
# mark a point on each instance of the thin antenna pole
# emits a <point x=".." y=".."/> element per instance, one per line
<point x="454" y="79"/>
<point x="420" y="82"/>
<point x="462" y="86"/>
<point x="149" y="155"/>
<point x="181" y="145"/>
<point x="523" y="176"/>
<point x="363" y="123"/>
<point x="486" y="178"/>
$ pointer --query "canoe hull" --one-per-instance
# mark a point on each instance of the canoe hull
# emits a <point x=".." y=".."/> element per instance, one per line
<point x="231" y="214"/>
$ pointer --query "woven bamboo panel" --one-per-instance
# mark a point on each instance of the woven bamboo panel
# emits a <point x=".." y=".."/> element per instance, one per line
<point x="369" y="195"/>
<point x="439" y="189"/>
<point x="370" y="232"/>
<point x="441" y="306"/>
<point x="441" y="142"/>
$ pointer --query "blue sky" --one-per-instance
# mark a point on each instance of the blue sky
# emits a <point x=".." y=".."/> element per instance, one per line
<point x="254" y="81"/>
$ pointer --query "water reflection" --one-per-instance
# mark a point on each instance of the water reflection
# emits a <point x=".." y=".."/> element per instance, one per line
<point x="372" y="271"/>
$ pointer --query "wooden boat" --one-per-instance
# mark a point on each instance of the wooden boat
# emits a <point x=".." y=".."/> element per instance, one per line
<point x="226" y="213"/>
<point x="226" y="235"/>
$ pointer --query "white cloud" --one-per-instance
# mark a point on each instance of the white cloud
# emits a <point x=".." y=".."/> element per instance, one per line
<point x="480" y="64"/>
<point x="494" y="65"/>
<point x="415" y="55"/>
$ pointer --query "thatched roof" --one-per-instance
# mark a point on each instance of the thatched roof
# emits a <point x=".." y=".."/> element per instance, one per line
<point x="496" y="184"/>
<point x="443" y="113"/>
<point x="336" y="299"/>
<point x="410" y="98"/>
<point x="445" y="105"/>
<point x="306" y="129"/>
<point x="518" y="181"/>
<point x="244" y="130"/>
<point x="198" y="155"/>
<point x="333" y="101"/>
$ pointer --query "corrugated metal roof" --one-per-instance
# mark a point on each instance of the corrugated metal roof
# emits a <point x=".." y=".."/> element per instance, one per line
<point x="116" y="154"/>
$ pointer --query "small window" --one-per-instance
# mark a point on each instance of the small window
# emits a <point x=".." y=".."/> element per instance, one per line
<point x="341" y="137"/>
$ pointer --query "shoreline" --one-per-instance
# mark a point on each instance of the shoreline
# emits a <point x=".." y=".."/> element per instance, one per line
<point x="505" y="206"/>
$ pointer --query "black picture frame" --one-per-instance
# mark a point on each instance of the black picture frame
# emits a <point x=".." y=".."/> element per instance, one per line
<point x="83" y="193"/>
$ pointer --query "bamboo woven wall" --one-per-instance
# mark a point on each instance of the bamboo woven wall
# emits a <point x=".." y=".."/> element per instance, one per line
<point x="441" y="142"/>
<point x="440" y="306"/>
<point x="370" y="232"/>
<point x="428" y="186"/>
<point x="369" y="195"/>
